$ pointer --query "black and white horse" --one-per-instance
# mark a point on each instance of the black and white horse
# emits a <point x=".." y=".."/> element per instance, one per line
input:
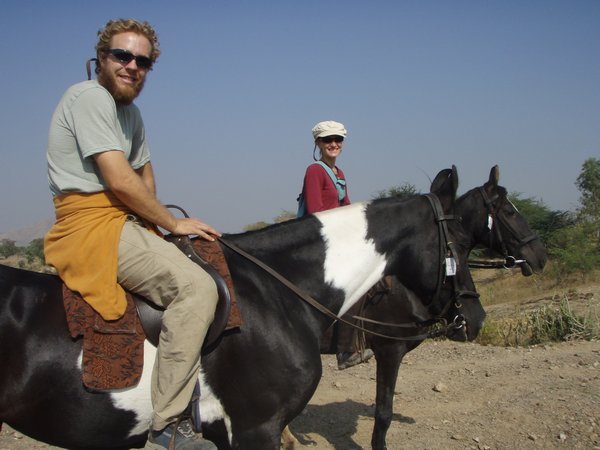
<point x="490" y="220"/>
<point x="258" y="378"/>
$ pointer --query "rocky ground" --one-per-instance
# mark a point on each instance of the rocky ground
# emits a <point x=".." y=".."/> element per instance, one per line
<point x="464" y="396"/>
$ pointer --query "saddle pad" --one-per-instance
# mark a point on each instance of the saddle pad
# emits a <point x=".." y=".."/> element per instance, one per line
<point x="113" y="351"/>
<point x="212" y="253"/>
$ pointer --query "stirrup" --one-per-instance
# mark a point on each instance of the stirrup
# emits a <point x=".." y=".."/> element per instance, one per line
<point x="193" y="409"/>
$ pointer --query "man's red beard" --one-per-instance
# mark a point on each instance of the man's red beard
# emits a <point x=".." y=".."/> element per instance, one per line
<point x="123" y="94"/>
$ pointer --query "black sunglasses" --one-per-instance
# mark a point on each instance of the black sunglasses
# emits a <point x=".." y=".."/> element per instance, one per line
<point x="124" y="56"/>
<point x="330" y="139"/>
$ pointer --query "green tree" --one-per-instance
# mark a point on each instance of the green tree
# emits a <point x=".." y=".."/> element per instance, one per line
<point x="282" y="217"/>
<point x="588" y="183"/>
<point x="573" y="251"/>
<point x="576" y="247"/>
<point x="404" y="191"/>
<point x="540" y="218"/>
<point x="35" y="250"/>
<point x="8" y="248"/>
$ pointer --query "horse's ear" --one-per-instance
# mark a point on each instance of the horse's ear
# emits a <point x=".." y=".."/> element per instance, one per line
<point x="492" y="183"/>
<point x="445" y="186"/>
<point x="439" y="180"/>
<point x="454" y="177"/>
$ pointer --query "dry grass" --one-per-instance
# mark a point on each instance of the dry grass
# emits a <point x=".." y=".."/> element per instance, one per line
<point x="499" y="286"/>
<point x="21" y="262"/>
<point x="529" y="310"/>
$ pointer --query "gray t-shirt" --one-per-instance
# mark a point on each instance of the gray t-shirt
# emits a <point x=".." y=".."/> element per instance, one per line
<point x="88" y="121"/>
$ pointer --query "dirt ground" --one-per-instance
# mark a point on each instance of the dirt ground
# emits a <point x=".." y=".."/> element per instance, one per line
<point x="461" y="396"/>
<point x="464" y="396"/>
<point x="457" y="396"/>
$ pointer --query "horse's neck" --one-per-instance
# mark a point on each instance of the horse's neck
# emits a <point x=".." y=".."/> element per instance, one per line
<point x="321" y="253"/>
<point x="474" y="217"/>
<point x="352" y="264"/>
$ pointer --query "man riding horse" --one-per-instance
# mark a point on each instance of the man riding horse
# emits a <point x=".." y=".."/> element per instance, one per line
<point x="262" y="375"/>
<point x="106" y="239"/>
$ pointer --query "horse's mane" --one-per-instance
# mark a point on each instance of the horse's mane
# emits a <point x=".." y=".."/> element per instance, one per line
<point x="502" y="191"/>
<point x="268" y="229"/>
<point x="276" y="227"/>
<point x="398" y="198"/>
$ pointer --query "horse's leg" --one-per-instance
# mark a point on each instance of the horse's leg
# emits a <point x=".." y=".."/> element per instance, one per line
<point x="264" y="438"/>
<point x="217" y="432"/>
<point x="389" y="356"/>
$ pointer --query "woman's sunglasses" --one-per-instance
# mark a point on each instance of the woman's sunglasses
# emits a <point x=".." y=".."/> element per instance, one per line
<point x="125" y="57"/>
<point x="330" y="139"/>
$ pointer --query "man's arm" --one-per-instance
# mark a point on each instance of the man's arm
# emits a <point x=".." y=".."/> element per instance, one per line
<point x="147" y="174"/>
<point x="135" y="190"/>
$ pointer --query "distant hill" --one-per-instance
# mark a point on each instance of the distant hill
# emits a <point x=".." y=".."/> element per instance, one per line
<point x="23" y="236"/>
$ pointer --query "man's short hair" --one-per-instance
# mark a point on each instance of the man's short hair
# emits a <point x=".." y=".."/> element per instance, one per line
<point x="118" y="26"/>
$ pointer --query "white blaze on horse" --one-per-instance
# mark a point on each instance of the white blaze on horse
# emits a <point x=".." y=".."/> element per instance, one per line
<point x="258" y="378"/>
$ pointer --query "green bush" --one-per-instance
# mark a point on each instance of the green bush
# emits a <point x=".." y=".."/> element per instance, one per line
<point x="8" y="248"/>
<point x="575" y="249"/>
<point x="35" y="250"/>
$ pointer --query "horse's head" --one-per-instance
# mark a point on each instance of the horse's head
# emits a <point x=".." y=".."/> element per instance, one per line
<point x="458" y="302"/>
<point x="434" y="265"/>
<point x="497" y="224"/>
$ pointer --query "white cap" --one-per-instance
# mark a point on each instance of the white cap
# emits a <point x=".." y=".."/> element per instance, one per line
<point x="328" y="128"/>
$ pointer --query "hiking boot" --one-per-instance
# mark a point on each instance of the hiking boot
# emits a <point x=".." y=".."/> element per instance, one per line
<point x="183" y="435"/>
<point x="348" y="359"/>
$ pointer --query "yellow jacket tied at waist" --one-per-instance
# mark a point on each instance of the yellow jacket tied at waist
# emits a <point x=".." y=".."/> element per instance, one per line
<point x="83" y="246"/>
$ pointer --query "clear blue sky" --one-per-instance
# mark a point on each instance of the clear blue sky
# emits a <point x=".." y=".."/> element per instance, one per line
<point x="420" y="85"/>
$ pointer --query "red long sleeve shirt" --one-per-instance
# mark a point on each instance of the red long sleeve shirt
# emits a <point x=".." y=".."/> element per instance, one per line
<point x="320" y="194"/>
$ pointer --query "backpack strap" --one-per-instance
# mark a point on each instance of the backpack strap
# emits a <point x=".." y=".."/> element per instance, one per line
<point x="339" y="183"/>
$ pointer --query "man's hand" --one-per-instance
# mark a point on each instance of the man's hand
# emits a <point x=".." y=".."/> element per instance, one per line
<point x="195" y="227"/>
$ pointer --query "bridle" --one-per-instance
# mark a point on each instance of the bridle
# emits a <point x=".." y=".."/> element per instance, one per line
<point x="447" y="252"/>
<point x="495" y="233"/>
<point x="446" y="259"/>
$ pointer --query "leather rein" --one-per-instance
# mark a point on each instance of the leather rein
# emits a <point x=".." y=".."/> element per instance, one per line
<point x="446" y="249"/>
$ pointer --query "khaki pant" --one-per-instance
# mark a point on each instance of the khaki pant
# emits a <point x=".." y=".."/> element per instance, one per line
<point x="159" y="271"/>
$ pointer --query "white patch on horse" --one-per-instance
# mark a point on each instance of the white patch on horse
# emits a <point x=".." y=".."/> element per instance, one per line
<point x="351" y="262"/>
<point x="211" y="408"/>
<point x="138" y="399"/>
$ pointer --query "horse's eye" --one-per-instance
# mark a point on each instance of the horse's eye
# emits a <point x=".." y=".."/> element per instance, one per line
<point x="509" y="211"/>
